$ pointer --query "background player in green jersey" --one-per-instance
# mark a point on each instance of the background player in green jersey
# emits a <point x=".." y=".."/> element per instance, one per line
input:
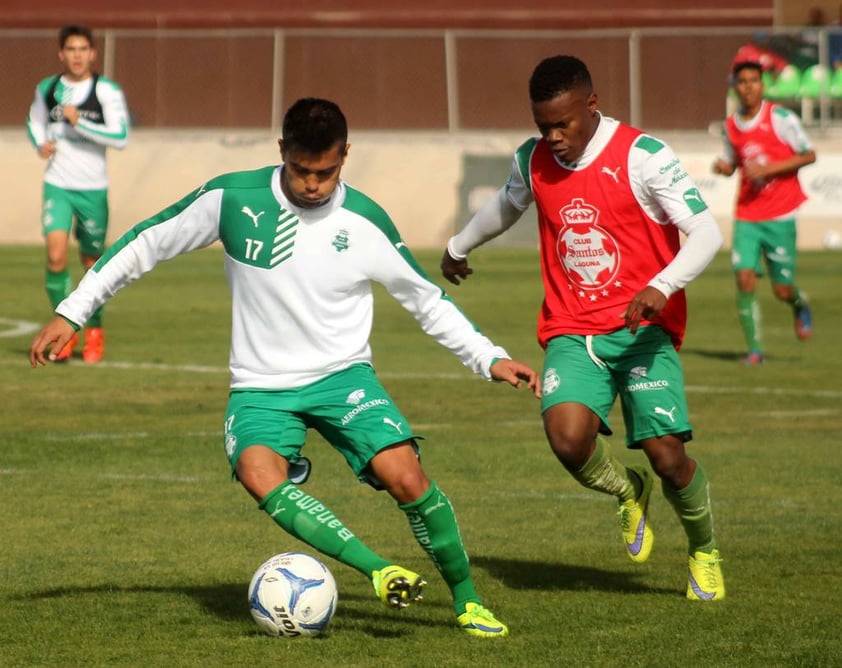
<point x="302" y="248"/>
<point x="74" y="118"/>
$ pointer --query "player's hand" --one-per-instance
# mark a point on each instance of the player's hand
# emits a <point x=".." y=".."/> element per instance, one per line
<point x="646" y="305"/>
<point x="55" y="334"/>
<point x="47" y="149"/>
<point x="514" y="373"/>
<point x="71" y="113"/>
<point x="453" y="269"/>
<point x="722" y="167"/>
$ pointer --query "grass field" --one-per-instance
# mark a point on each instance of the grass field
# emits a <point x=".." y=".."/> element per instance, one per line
<point x="124" y="543"/>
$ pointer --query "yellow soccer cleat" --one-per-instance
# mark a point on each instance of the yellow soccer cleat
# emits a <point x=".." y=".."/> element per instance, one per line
<point x="634" y="519"/>
<point x="479" y="622"/>
<point x="705" y="581"/>
<point x="397" y="587"/>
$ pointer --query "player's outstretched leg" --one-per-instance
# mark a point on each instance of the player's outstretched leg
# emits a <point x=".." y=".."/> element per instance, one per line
<point x="433" y="523"/>
<point x="397" y="587"/>
<point x="634" y="519"/>
<point x="306" y="518"/>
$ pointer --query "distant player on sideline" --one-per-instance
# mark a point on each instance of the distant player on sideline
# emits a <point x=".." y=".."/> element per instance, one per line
<point x="74" y="117"/>
<point x="768" y="144"/>
<point x="611" y="201"/>
<point x="301" y="251"/>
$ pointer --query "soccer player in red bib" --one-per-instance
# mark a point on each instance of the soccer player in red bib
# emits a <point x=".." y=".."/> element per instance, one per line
<point x="768" y="144"/>
<point x="611" y="201"/>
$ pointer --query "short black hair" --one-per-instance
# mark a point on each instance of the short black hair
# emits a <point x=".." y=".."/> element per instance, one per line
<point x="558" y="74"/>
<point x="745" y="65"/>
<point x="75" y="30"/>
<point x="314" y="125"/>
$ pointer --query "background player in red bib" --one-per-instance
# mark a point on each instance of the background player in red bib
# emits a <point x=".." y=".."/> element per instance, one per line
<point x="768" y="144"/>
<point x="611" y="201"/>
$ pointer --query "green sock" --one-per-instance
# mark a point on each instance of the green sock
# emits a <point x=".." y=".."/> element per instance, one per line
<point x="433" y="523"/>
<point x="307" y="519"/>
<point x="96" y="319"/>
<point x="58" y="285"/>
<point x="603" y="473"/>
<point x="692" y="505"/>
<point x="748" y="312"/>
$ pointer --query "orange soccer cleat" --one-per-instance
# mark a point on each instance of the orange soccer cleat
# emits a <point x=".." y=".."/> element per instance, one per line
<point x="94" y="345"/>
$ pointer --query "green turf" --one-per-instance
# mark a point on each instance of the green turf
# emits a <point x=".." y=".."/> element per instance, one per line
<point x="124" y="543"/>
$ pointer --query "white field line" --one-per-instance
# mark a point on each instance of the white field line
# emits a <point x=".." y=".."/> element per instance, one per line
<point x="17" y="328"/>
<point x="425" y="375"/>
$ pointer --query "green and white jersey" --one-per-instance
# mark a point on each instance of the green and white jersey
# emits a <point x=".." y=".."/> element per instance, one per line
<point x="300" y="279"/>
<point x="79" y="161"/>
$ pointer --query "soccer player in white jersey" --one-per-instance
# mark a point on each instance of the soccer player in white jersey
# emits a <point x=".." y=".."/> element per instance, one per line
<point x="74" y="118"/>
<point x="302" y="248"/>
<point x="768" y="145"/>
<point x="611" y="201"/>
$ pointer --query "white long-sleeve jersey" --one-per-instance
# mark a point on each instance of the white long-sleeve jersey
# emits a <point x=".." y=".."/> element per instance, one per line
<point x="300" y="279"/>
<point x="79" y="162"/>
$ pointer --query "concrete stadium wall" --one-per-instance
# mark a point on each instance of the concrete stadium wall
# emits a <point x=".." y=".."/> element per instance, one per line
<point x="428" y="182"/>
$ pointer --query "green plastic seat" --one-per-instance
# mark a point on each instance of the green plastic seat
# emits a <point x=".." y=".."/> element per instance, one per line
<point x="787" y="85"/>
<point x="815" y="82"/>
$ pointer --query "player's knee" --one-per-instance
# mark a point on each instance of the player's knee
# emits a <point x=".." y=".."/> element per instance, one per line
<point x="783" y="292"/>
<point x="406" y="486"/>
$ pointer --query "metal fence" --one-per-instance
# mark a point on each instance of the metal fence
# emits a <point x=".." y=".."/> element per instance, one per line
<point x="452" y="80"/>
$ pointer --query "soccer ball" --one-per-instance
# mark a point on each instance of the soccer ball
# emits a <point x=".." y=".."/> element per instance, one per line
<point x="292" y="595"/>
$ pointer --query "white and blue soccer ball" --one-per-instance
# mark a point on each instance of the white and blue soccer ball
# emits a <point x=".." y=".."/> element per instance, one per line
<point x="292" y="595"/>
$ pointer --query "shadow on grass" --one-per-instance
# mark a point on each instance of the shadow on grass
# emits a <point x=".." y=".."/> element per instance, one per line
<point x="725" y="355"/>
<point x="546" y="576"/>
<point x="365" y="614"/>
<point x="731" y="356"/>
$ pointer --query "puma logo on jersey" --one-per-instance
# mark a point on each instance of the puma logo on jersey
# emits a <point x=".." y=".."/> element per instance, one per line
<point x="661" y="411"/>
<point x="613" y="174"/>
<point x="693" y="199"/>
<point x="396" y="425"/>
<point x="251" y="214"/>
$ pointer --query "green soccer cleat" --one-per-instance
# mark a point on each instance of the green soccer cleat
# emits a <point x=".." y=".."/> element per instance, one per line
<point x="634" y="519"/>
<point x="397" y="587"/>
<point x="479" y="622"/>
<point x="705" y="581"/>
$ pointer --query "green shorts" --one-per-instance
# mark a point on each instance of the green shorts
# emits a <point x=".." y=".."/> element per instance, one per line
<point x="350" y="409"/>
<point x="643" y="369"/>
<point x="89" y="208"/>
<point x="772" y="243"/>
